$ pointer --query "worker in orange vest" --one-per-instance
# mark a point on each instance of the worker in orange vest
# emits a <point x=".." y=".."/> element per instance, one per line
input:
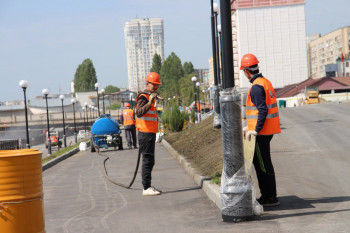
<point x="263" y="122"/>
<point x="147" y="125"/>
<point x="128" y="119"/>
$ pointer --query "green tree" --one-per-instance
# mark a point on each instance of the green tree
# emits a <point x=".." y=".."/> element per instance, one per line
<point x="171" y="73"/>
<point x="111" y="89"/>
<point x="186" y="89"/>
<point x="188" y="68"/>
<point x="85" y="77"/>
<point x="156" y="63"/>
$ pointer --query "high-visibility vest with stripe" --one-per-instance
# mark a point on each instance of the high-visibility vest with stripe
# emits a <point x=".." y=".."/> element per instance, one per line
<point x="272" y="121"/>
<point x="128" y="117"/>
<point x="148" y="123"/>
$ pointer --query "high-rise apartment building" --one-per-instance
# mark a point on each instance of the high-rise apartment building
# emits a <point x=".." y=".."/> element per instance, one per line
<point x="326" y="50"/>
<point x="143" y="38"/>
<point x="275" y="32"/>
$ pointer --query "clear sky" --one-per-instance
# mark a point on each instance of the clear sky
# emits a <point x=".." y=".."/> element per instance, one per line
<point x="44" y="41"/>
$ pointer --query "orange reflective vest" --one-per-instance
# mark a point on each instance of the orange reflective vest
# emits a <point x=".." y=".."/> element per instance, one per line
<point x="128" y="117"/>
<point x="272" y="121"/>
<point x="148" y="123"/>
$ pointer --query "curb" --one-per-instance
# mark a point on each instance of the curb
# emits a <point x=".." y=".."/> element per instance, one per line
<point x="212" y="190"/>
<point x="60" y="158"/>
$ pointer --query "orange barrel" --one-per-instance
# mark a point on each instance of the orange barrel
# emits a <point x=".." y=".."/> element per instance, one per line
<point x="21" y="191"/>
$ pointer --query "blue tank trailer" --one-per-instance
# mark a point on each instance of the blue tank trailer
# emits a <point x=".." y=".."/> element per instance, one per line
<point x="105" y="133"/>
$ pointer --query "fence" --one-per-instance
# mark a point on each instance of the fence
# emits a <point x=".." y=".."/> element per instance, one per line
<point x="13" y="144"/>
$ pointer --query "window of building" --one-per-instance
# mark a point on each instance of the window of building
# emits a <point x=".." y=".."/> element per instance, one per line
<point x="347" y="64"/>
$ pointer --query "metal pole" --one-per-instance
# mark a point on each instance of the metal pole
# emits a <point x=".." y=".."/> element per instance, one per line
<point x="26" y="114"/>
<point x="217" y="123"/>
<point x="98" y="100"/>
<point x="87" y="118"/>
<point x="199" y="101"/>
<point x="222" y="60"/>
<point x="236" y="188"/>
<point x="194" y="93"/>
<point x="64" y="128"/>
<point x="217" y="50"/>
<point x="48" y="127"/>
<point x="103" y="101"/>
<point x="84" y="120"/>
<point x="75" y="126"/>
<point x="91" y="117"/>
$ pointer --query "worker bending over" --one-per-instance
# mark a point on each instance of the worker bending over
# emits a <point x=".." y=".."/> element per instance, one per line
<point x="128" y="119"/>
<point x="147" y="125"/>
<point x="263" y="122"/>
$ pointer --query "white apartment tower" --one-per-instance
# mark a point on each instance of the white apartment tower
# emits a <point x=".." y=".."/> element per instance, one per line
<point x="273" y="30"/>
<point x="143" y="38"/>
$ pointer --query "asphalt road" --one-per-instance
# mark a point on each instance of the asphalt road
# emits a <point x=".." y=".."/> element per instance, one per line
<point x="312" y="164"/>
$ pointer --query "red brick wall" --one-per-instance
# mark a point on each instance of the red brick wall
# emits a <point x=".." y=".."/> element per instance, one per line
<point x="264" y="3"/>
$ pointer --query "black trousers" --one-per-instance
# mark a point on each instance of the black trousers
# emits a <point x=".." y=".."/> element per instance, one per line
<point x="147" y="144"/>
<point x="263" y="166"/>
<point x="130" y="134"/>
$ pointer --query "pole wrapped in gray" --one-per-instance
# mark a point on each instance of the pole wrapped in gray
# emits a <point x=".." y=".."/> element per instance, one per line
<point x="236" y="187"/>
<point x="216" y="107"/>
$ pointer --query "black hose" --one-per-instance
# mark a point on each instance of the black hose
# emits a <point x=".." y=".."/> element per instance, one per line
<point x="120" y="184"/>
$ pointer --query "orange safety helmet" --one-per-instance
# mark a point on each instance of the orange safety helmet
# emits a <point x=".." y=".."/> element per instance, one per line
<point x="127" y="105"/>
<point x="154" y="78"/>
<point x="248" y="60"/>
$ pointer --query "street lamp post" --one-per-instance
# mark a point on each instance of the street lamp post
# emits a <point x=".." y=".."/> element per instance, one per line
<point x="216" y="104"/>
<point x="194" y="79"/>
<point x="103" y="100"/>
<point x="46" y="93"/>
<point x="236" y="189"/>
<point x="216" y="12"/>
<point x="64" y="126"/>
<point x="199" y="100"/>
<point x="83" y="108"/>
<point x="98" y="98"/>
<point x="87" y="115"/>
<point x="24" y="84"/>
<point x="75" y="126"/>
<point x="221" y="61"/>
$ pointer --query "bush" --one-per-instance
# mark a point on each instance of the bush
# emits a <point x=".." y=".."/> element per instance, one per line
<point x="176" y="119"/>
<point x="165" y="117"/>
<point x="193" y="116"/>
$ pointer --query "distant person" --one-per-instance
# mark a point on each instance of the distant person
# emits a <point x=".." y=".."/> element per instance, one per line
<point x="263" y="122"/>
<point x="147" y="125"/>
<point x="128" y="120"/>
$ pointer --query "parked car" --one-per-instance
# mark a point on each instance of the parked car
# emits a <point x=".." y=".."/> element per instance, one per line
<point x="82" y="134"/>
<point x="54" y="138"/>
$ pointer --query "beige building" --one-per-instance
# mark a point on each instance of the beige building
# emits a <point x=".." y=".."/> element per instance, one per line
<point x="210" y="75"/>
<point x="275" y="32"/>
<point x="143" y="38"/>
<point x="326" y="49"/>
<point x="211" y="71"/>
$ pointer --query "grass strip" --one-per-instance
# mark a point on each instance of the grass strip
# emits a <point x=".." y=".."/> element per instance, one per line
<point x="60" y="152"/>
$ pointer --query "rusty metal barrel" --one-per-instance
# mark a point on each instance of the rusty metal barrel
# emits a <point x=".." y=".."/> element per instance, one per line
<point x="21" y="191"/>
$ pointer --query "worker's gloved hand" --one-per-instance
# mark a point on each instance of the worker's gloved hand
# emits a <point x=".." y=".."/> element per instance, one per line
<point x="250" y="133"/>
<point x="245" y="129"/>
<point x="152" y="97"/>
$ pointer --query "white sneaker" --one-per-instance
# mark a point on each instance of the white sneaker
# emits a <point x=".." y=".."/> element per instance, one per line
<point x="151" y="191"/>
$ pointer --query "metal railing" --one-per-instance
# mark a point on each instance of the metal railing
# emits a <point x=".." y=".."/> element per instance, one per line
<point x="13" y="144"/>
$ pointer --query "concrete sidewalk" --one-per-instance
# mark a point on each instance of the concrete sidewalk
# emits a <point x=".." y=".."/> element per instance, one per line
<point x="311" y="159"/>
<point x="78" y="198"/>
